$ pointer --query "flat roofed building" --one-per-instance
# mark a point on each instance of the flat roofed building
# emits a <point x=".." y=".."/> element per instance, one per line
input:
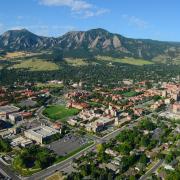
<point x="99" y="124"/>
<point x="28" y="103"/>
<point x="40" y="134"/>
<point x="15" y="117"/>
<point x="6" y="110"/>
<point x="21" y="141"/>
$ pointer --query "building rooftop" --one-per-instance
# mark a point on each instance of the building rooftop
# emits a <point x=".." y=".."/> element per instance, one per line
<point x="16" y="115"/>
<point x="28" y="103"/>
<point x="43" y="131"/>
<point x="20" y="140"/>
<point x="8" y="109"/>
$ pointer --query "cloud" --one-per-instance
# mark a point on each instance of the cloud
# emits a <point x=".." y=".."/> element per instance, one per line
<point x="19" y="17"/>
<point x="1" y="27"/>
<point x="99" y="12"/>
<point x="78" y="7"/>
<point x="135" y="21"/>
<point x="16" y="27"/>
<point x="75" y="5"/>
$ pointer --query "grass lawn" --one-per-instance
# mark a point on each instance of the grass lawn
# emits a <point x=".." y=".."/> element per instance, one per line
<point x="130" y="94"/>
<point x="29" y="171"/>
<point x="24" y="171"/>
<point x="15" y="54"/>
<point x="95" y="104"/>
<point x="48" y="85"/>
<point x="132" y="61"/>
<point x="36" y="65"/>
<point x="56" y="176"/>
<point x="76" y="62"/>
<point x="59" y="112"/>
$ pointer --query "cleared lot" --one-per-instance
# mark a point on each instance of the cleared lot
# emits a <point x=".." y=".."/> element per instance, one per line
<point x="68" y="144"/>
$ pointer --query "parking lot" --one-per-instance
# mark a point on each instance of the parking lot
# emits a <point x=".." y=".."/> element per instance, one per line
<point x="67" y="144"/>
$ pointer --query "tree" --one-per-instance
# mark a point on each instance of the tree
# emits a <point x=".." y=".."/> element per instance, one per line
<point x="124" y="148"/>
<point x="169" y="157"/>
<point x="175" y="175"/>
<point x="132" y="178"/>
<point x="4" y="145"/>
<point x="35" y="156"/>
<point x="147" y="124"/>
<point x="143" y="159"/>
<point x="57" y="55"/>
<point x="99" y="148"/>
<point x="156" y="97"/>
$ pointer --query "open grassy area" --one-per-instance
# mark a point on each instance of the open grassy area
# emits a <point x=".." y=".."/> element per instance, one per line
<point x="55" y="176"/>
<point x="19" y="54"/>
<point x="15" y="54"/>
<point x="130" y="94"/>
<point x="24" y="171"/>
<point x="128" y="60"/>
<point x="29" y="171"/>
<point x="76" y="62"/>
<point x="95" y="104"/>
<point x="36" y="65"/>
<point x="161" y="59"/>
<point x="59" y="112"/>
<point x="48" y="85"/>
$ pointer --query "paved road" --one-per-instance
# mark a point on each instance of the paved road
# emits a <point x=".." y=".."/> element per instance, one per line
<point x="152" y="170"/>
<point x="8" y="171"/>
<point x="60" y="166"/>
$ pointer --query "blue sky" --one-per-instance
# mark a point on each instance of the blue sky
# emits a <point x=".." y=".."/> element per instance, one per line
<point x="155" y="19"/>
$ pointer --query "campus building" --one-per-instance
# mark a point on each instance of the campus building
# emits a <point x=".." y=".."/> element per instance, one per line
<point x="99" y="124"/>
<point x="41" y="134"/>
<point x="15" y="117"/>
<point x="5" y="111"/>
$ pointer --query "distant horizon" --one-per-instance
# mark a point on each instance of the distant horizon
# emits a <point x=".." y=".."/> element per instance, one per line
<point x="86" y="31"/>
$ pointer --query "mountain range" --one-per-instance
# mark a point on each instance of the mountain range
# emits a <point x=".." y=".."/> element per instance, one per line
<point x="92" y="42"/>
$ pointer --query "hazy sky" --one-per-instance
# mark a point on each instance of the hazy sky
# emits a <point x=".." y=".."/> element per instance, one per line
<point x="155" y="19"/>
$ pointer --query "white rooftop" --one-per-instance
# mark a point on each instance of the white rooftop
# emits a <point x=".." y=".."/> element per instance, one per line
<point x="43" y="131"/>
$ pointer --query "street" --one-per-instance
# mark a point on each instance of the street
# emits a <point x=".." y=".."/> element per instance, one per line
<point x="152" y="170"/>
<point x="8" y="171"/>
<point x="66" y="163"/>
<point x="60" y="166"/>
